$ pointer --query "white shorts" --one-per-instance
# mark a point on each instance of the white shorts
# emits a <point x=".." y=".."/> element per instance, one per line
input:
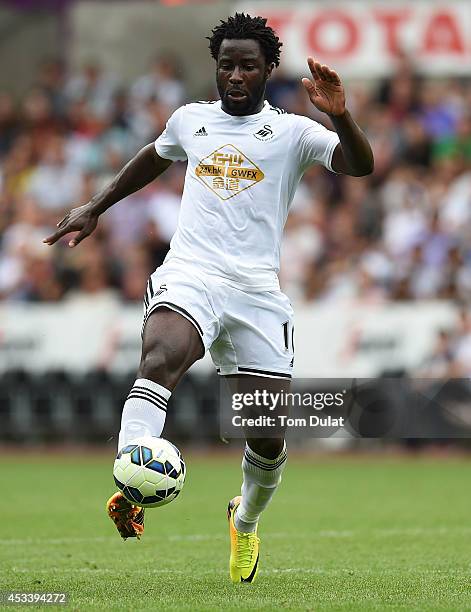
<point x="245" y="332"/>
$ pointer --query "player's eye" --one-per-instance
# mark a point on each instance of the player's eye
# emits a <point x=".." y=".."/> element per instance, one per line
<point x="249" y="67"/>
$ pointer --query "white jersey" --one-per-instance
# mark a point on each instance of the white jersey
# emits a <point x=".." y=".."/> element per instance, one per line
<point x="241" y="178"/>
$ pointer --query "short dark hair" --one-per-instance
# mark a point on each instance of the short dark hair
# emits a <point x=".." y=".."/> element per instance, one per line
<point x="243" y="27"/>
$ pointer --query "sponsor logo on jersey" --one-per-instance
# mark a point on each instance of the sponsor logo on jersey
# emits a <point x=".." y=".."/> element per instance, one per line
<point x="227" y="172"/>
<point x="264" y="134"/>
<point x="201" y="132"/>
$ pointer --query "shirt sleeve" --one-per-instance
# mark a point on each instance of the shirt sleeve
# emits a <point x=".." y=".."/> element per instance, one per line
<point x="315" y="143"/>
<point x="168" y="144"/>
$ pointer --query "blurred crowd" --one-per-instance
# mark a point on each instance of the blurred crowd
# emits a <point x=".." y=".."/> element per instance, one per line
<point x="403" y="233"/>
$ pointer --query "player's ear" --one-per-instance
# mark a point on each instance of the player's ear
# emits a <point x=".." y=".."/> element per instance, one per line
<point x="269" y="70"/>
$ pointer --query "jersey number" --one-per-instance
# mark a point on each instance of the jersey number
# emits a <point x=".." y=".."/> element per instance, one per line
<point x="286" y="335"/>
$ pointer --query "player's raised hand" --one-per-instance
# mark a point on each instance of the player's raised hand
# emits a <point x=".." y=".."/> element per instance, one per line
<point x="325" y="89"/>
<point x="81" y="219"/>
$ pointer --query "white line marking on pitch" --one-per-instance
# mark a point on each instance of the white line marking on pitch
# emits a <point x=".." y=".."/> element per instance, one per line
<point x="219" y="572"/>
<point x="201" y="537"/>
<point x="90" y="570"/>
<point x="55" y="540"/>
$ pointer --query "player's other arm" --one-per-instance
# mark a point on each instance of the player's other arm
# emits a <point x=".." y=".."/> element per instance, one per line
<point x="142" y="169"/>
<point x="353" y="155"/>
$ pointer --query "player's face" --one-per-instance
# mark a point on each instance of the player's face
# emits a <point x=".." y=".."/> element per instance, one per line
<point x="241" y="75"/>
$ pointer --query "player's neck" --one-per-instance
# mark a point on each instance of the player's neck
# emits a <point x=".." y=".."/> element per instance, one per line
<point x="257" y="109"/>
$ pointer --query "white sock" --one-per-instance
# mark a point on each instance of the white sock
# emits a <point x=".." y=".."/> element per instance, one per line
<point x="261" y="479"/>
<point x="144" y="411"/>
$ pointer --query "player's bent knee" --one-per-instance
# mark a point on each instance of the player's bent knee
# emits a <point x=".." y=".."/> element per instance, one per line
<point x="170" y="346"/>
<point x="157" y="366"/>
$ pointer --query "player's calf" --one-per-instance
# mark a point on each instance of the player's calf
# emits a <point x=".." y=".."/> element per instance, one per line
<point x="261" y="477"/>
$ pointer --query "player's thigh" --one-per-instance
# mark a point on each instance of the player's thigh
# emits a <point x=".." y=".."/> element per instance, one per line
<point x="170" y="345"/>
<point x="257" y="336"/>
<point x="265" y="399"/>
<point x="179" y="323"/>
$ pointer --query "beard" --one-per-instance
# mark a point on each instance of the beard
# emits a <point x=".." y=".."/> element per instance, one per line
<point x="248" y="105"/>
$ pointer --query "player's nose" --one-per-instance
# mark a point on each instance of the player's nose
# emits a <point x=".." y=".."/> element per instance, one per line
<point x="236" y="76"/>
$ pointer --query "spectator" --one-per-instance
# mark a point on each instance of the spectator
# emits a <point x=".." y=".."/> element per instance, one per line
<point x="92" y="85"/>
<point x="55" y="182"/>
<point x="161" y="84"/>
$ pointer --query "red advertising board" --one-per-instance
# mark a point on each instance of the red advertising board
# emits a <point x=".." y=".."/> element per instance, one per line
<point x="363" y="38"/>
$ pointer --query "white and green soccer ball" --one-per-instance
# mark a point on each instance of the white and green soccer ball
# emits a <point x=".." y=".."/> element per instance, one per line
<point x="150" y="471"/>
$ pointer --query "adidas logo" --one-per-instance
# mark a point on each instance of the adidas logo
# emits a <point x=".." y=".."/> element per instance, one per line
<point x="201" y="132"/>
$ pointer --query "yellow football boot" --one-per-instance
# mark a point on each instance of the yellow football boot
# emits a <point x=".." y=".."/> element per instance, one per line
<point x="243" y="564"/>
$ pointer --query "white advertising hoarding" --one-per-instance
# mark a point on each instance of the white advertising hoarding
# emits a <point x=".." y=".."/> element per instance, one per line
<point x="362" y="39"/>
<point x="331" y="341"/>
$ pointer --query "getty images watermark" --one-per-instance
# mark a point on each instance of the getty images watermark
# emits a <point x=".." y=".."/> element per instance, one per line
<point x="278" y="401"/>
<point x="391" y="408"/>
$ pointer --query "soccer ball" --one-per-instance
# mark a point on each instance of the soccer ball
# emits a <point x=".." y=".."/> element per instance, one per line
<point x="150" y="472"/>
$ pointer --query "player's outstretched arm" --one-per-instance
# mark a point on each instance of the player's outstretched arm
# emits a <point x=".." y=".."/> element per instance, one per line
<point x="354" y="155"/>
<point x="146" y="166"/>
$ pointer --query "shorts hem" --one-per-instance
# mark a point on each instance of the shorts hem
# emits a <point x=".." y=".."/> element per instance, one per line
<point x="231" y="370"/>
<point x="184" y="313"/>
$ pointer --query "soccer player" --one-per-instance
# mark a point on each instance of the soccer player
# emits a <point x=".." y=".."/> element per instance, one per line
<point x="218" y="288"/>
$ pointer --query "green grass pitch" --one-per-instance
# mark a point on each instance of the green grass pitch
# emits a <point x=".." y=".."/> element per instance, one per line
<point x="343" y="533"/>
